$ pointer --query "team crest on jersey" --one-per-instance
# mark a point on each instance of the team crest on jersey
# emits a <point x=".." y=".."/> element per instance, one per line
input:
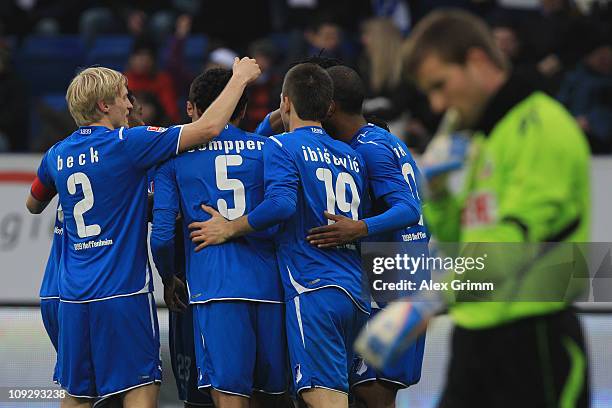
<point x="480" y="209"/>
<point x="156" y="129"/>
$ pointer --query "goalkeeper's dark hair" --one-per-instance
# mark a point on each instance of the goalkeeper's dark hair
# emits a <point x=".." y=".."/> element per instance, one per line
<point x="207" y="86"/>
<point x="349" y="91"/>
<point x="310" y="89"/>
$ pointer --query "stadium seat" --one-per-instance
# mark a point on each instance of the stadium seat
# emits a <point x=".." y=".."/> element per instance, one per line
<point x="111" y="51"/>
<point x="48" y="63"/>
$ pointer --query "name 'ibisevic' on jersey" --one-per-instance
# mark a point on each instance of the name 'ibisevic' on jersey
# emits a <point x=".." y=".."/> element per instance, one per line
<point x="320" y="174"/>
<point x="390" y="169"/>
<point x="226" y="174"/>
<point x="100" y="177"/>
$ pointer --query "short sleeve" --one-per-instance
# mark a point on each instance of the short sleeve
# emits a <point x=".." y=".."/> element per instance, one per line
<point x="383" y="173"/>
<point x="43" y="173"/>
<point x="148" y="146"/>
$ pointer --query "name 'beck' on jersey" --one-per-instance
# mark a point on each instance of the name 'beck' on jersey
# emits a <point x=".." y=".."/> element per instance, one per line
<point x="100" y="177"/>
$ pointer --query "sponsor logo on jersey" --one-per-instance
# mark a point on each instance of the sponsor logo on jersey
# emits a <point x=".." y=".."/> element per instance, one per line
<point x="480" y="209"/>
<point x="156" y="129"/>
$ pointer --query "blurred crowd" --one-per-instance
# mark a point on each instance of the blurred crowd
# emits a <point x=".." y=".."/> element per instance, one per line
<point x="564" y="47"/>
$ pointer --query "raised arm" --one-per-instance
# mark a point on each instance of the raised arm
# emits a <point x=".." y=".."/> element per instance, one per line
<point x="214" y="119"/>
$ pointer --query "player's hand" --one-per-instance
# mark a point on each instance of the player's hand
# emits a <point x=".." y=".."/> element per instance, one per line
<point x="246" y="69"/>
<point x="174" y="293"/>
<point x="216" y="230"/>
<point x="342" y="231"/>
<point x="390" y="332"/>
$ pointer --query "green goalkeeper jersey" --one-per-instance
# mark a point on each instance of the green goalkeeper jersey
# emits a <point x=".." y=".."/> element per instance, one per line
<point x="528" y="181"/>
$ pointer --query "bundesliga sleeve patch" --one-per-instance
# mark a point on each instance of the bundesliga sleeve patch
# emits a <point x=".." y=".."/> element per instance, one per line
<point x="156" y="129"/>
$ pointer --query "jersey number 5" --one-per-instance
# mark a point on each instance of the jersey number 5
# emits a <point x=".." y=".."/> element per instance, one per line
<point x="228" y="184"/>
<point x="84" y="205"/>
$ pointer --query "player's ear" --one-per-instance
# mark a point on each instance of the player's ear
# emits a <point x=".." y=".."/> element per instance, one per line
<point x="189" y="108"/>
<point x="103" y="106"/>
<point x="331" y="110"/>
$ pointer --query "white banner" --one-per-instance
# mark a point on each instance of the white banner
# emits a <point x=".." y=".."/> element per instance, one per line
<point x="25" y="239"/>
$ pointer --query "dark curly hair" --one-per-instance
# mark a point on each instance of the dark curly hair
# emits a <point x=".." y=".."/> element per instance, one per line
<point x="207" y="86"/>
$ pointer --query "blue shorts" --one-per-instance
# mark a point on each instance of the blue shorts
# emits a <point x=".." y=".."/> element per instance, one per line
<point x="108" y="346"/>
<point x="242" y="347"/>
<point x="49" y="312"/>
<point x="183" y="359"/>
<point x="404" y="372"/>
<point x="321" y="328"/>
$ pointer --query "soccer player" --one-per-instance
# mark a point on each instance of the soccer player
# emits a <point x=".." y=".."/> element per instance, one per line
<point x="307" y="172"/>
<point x="99" y="173"/>
<point x="235" y="289"/>
<point x="135" y="116"/>
<point x="395" y="217"/>
<point x="528" y="182"/>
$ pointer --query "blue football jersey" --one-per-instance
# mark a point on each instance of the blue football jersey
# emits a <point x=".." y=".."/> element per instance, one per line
<point x="391" y="168"/>
<point x="226" y="174"/>
<point x="320" y="174"/>
<point x="100" y="176"/>
<point x="49" y="286"/>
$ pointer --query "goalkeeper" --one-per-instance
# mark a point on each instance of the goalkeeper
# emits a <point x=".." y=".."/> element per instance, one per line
<point x="528" y="183"/>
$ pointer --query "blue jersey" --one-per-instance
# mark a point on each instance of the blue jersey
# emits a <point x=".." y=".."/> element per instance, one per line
<point x="226" y="174"/>
<point x="100" y="176"/>
<point x="49" y="286"/>
<point x="391" y="169"/>
<point x="315" y="173"/>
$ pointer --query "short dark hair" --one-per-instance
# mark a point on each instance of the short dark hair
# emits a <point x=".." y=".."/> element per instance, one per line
<point x="449" y="34"/>
<point x="310" y="89"/>
<point x="207" y="86"/>
<point x="320" y="60"/>
<point x="349" y="91"/>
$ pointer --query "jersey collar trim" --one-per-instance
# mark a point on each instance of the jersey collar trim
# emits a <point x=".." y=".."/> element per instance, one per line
<point x="507" y="97"/>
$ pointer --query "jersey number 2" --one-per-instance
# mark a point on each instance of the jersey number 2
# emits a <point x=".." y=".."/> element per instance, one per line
<point x="84" y="205"/>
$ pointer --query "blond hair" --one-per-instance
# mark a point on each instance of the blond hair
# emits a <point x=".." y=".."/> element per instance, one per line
<point x="386" y="41"/>
<point x="90" y="86"/>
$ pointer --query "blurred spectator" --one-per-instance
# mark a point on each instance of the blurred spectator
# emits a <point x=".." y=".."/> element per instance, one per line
<point x="396" y="10"/>
<point x="153" y="18"/>
<point x="220" y="58"/>
<point x="176" y="65"/>
<point x="264" y="93"/>
<point x="143" y="76"/>
<point x="388" y="96"/>
<point x="14" y="111"/>
<point x="509" y="40"/>
<point x="554" y="40"/>
<point x="323" y="35"/>
<point x="587" y="91"/>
